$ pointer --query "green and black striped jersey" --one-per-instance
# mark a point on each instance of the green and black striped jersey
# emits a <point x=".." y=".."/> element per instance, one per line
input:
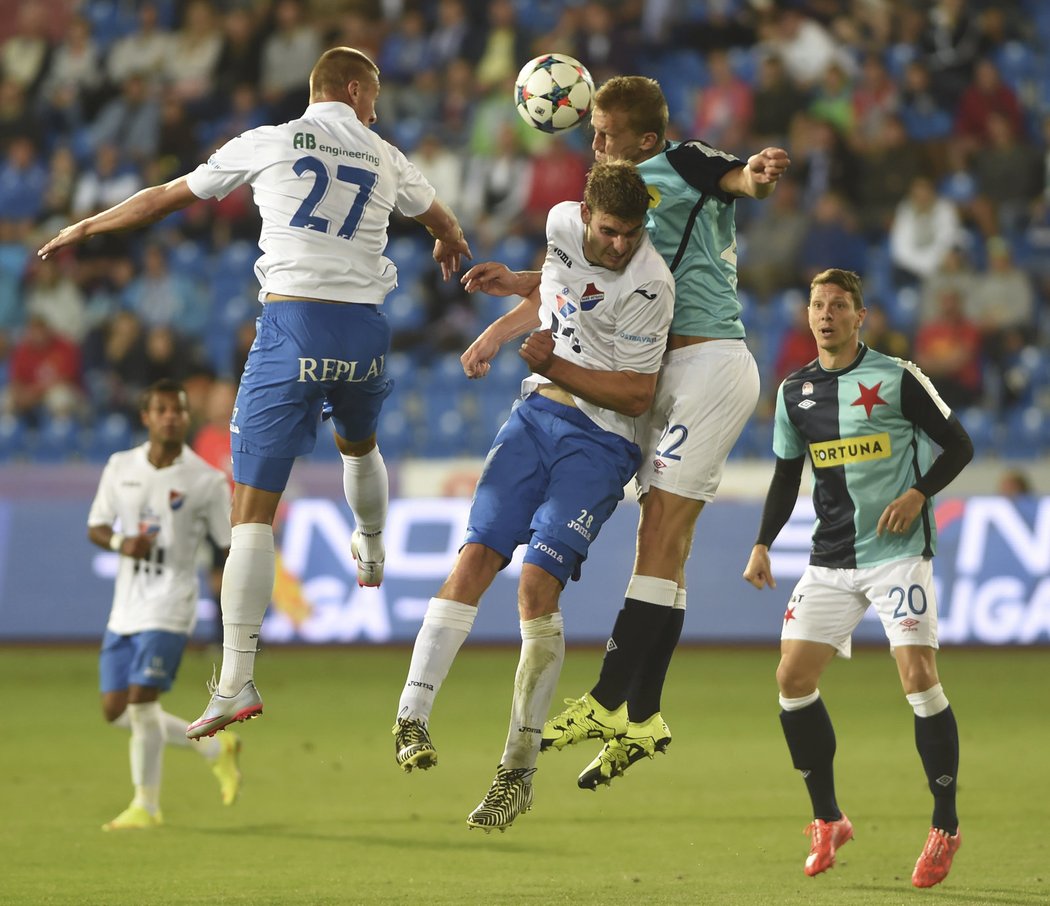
<point x="867" y="430"/>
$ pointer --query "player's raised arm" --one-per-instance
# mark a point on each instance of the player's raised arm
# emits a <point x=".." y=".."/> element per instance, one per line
<point x="759" y="176"/>
<point x="142" y="208"/>
<point x="450" y="245"/>
<point x="525" y="316"/>
<point x="497" y="279"/>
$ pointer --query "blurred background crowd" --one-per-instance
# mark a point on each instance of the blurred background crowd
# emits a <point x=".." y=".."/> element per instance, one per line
<point x="919" y="132"/>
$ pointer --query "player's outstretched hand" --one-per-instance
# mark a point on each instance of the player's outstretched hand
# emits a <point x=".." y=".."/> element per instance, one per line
<point x="477" y="360"/>
<point x="768" y="165"/>
<point x="71" y="235"/>
<point x="538" y="350"/>
<point x="759" y="571"/>
<point x="449" y="255"/>
<point x="490" y="277"/>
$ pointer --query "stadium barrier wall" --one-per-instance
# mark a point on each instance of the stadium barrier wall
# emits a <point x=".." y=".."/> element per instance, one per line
<point x="992" y="571"/>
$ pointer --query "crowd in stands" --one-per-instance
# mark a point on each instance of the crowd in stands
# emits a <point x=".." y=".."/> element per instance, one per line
<point x="919" y="132"/>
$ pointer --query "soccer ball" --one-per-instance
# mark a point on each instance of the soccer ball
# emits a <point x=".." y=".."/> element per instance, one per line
<point x="553" y="92"/>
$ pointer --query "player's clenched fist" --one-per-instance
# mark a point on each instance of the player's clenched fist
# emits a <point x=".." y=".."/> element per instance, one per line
<point x="538" y="350"/>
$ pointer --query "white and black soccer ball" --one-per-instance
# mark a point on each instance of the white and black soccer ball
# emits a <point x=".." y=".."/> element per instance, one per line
<point x="553" y="92"/>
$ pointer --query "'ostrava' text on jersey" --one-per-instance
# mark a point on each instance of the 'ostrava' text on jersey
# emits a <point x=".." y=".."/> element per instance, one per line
<point x="180" y="503"/>
<point x="692" y="224"/>
<point x="865" y="429"/>
<point x="325" y="185"/>
<point x="603" y="319"/>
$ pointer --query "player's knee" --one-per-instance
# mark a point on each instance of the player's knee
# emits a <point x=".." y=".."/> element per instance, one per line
<point x="538" y="592"/>
<point x="794" y="682"/>
<point x="113" y="711"/>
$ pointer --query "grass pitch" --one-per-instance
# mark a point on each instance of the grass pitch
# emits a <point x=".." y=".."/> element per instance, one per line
<point x="325" y="817"/>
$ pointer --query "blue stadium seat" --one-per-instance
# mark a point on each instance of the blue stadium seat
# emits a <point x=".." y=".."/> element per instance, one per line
<point x="982" y="429"/>
<point x="57" y="440"/>
<point x="13" y="439"/>
<point x="1027" y="433"/>
<point x="445" y="430"/>
<point x="405" y="370"/>
<point x="411" y="256"/>
<point x="404" y="307"/>
<point x="493" y="406"/>
<point x="109" y="434"/>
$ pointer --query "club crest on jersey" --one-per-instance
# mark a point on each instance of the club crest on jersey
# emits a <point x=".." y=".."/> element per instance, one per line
<point x="591" y="297"/>
<point x="176" y="499"/>
<point x="566" y="306"/>
<point x="807" y="388"/>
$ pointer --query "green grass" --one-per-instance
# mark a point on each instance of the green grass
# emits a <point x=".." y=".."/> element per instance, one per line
<point x="326" y="818"/>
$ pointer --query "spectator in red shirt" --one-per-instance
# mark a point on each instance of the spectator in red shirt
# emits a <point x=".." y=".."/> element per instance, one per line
<point x="557" y="175"/>
<point x="948" y="349"/>
<point x="987" y="93"/>
<point x="45" y="374"/>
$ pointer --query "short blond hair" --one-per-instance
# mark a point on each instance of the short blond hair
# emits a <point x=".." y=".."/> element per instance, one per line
<point x="639" y="97"/>
<point x="337" y="68"/>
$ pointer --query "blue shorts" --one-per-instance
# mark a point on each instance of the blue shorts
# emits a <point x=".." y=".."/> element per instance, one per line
<point x="551" y="480"/>
<point x="304" y="355"/>
<point x="143" y="659"/>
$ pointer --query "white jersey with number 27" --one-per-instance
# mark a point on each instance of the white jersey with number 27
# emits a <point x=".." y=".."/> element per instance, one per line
<point x="325" y="185"/>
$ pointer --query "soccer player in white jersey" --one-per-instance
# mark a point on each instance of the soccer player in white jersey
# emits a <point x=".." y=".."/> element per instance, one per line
<point x="154" y="507"/>
<point x="706" y="392"/>
<point x="557" y="468"/>
<point x="325" y="185"/>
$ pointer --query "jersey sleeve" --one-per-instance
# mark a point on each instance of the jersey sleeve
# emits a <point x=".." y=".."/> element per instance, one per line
<point x="414" y="193"/>
<point x="703" y="167"/>
<point x="788" y="443"/>
<point x="923" y="406"/>
<point x="104" y="507"/>
<point x="218" y="512"/>
<point x="641" y="330"/>
<point x="229" y="167"/>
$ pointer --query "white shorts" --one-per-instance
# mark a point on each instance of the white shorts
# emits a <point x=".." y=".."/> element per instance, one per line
<point x="704" y="396"/>
<point x="827" y="604"/>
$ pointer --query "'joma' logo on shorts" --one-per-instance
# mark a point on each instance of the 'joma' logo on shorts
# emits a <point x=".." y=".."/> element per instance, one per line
<point x="549" y="551"/>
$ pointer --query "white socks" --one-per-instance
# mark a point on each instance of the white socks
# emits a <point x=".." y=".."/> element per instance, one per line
<point x="542" y="654"/>
<point x="927" y="704"/>
<point x="174" y="729"/>
<point x="146" y="750"/>
<point x="367" y="490"/>
<point x="652" y="590"/>
<point x="446" y="626"/>
<point x="797" y="704"/>
<point x="247" y="586"/>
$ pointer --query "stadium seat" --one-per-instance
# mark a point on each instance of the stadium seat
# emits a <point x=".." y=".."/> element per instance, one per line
<point x="108" y="435"/>
<point x="13" y="439"/>
<point x="982" y="429"/>
<point x="1026" y="433"/>
<point x="57" y="440"/>
<point x="404" y="307"/>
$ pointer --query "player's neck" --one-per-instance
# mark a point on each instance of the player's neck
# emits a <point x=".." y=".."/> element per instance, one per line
<point x="839" y="358"/>
<point x="162" y="455"/>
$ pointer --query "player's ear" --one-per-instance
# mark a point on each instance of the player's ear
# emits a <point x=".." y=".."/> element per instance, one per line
<point x="648" y="141"/>
<point x="585" y="213"/>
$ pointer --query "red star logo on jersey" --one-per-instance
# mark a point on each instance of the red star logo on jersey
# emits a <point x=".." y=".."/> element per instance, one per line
<point x="789" y="615"/>
<point x="869" y="398"/>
